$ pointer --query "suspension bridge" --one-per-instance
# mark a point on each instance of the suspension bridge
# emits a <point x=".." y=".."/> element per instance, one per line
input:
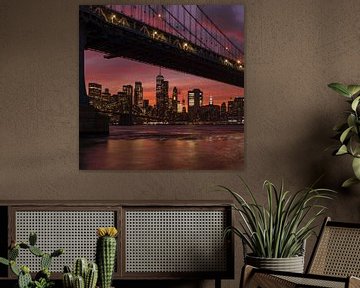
<point x="179" y="37"/>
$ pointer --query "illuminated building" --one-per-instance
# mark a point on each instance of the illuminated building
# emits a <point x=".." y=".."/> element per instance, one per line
<point x="128" y="93"/>
<point x="195" y="99"/>
<point x="94" y="93"/>
<point x="174" y="100"/>
<point x="138" y="94"/>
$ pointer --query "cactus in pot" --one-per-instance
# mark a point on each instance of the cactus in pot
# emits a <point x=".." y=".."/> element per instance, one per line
<point x="42" y="278"/>
<point x="106" y="254"/>
<point x="85" y="275"/>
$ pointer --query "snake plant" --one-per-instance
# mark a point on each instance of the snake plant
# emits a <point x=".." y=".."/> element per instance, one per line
<point x="280" y="228"/>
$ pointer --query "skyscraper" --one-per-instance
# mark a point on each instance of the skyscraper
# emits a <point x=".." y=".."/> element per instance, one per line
<point x="128" y="90"/>
<point x="94" y="93"/>
<point x="162" y="94"/>
<point x="138" y="95"/>
<point x="195" y="99"/>
<point x="174" y="100"/>
<point x="95" y="90"/>
<point x="159" y="90"/>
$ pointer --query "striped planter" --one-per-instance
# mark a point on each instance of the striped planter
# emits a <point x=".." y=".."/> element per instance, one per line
<point x="291" y="264"/>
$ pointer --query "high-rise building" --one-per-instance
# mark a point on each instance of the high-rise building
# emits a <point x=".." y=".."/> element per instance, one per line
<point x="238" y="110"/>
<point x="128" y="90"/>
<point x="146" y="103"/>
<point x="195" y="99"/>
<point x="159" y="91"/>
<point x="95" y="90"/>
<point x="162" y="94"/>
<point x="138" y="94"/>
<point x="174" y="100"/>
<point x="94" y="93"/>
<point x="183" y="106"/>
<point x="165" y="91"/>
<point x="223" y="110"/>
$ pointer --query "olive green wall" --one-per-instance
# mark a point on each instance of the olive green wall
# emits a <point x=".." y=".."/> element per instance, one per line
<point x="293" y="49"/>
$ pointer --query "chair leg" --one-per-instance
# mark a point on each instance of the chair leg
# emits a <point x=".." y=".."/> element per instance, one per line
<point x="246" y="273"/>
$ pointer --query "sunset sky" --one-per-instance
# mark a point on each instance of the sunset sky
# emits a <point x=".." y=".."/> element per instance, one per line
<point x="116" y="72"/>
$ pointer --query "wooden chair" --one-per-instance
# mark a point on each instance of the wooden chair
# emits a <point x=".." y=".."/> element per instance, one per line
<point x="334" y="263"/>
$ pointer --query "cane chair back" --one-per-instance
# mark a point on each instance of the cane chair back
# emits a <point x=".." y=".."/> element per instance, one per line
<point x="337" y="252"/>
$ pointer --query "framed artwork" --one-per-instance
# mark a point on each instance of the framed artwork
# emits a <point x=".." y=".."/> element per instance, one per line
<point x="161" y="87"/>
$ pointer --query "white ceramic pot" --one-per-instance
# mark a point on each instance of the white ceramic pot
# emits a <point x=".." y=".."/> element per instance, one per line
<point x="291" y="264"/>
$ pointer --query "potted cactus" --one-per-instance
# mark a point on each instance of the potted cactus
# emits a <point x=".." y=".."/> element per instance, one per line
<point x="42" y="278"/>
<point x="106" y="254"/>
<point x="85" y="275"/>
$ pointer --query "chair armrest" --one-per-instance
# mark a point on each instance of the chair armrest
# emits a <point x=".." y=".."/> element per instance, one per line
<point x="354" y="282"/>
<point x="255" y="277"/>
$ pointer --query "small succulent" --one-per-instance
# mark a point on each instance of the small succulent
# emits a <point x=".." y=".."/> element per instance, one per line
<point x="84" y="275"/>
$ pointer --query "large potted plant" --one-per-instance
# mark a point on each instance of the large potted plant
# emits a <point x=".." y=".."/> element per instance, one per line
<point x="275" y="234"/>
<point x="348" y="132"/>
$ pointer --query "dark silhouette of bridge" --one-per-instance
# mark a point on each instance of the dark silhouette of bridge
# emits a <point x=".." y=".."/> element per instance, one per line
<point x="179" y="37"/>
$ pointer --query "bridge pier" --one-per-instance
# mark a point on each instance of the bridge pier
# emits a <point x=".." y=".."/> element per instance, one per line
<point x="91" y="122"/>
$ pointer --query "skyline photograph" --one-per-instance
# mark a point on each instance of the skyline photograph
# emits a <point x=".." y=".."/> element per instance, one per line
<point x="163" y="85"/>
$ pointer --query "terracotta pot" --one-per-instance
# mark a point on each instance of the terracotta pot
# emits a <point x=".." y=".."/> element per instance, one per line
<point x="291" y="264"/>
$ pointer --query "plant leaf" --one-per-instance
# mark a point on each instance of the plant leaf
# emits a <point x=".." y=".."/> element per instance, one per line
<point x="355" y="103"/>
<point x="353" y="89"/>
<point x="340" y="89"/>
<point x="356" y="167"/>
<point x="349" y="182"/>
<point x="342" y="150"/>
<point x="4" y="261"/>
<point x="345" y="134"/>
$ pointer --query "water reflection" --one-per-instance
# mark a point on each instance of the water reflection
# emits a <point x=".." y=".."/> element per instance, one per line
<point x="165" y="148"/>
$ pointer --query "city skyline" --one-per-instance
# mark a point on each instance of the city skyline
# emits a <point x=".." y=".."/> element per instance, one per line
<point x="207" y="99"/>
<point x="109" y="74"/>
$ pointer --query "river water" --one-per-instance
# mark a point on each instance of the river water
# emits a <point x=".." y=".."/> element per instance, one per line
<point x="165" y="147"/>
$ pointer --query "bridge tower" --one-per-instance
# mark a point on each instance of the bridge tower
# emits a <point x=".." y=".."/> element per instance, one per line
<point x="91" y="122"/>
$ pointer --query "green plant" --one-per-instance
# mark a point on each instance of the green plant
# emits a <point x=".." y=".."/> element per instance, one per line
<point x="349" y="132"/>
<point x="42" y="278"/>
<point x="279" y="229"/>
<point x="105" y="254"/>
<point x="85" y="275"/>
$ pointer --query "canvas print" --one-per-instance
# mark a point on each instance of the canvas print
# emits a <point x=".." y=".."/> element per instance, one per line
<point x="161" y="87"/>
